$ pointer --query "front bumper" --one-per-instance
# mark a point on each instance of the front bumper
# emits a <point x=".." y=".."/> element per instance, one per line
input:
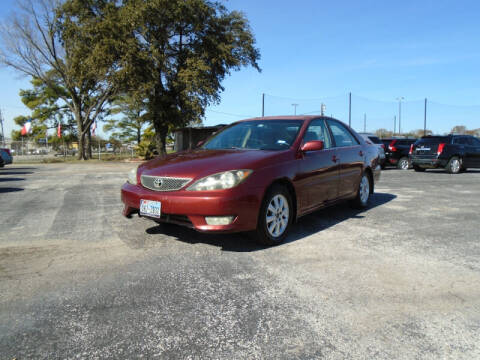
<point x="189" y="208"/>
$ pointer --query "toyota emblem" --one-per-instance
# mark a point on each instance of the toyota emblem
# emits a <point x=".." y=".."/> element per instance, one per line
<point x="157" y="182"/>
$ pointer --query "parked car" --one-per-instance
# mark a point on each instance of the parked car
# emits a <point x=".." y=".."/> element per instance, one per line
<point x="256" y="175"/>
<point x="375" y="140"/>
<point x="454" y="153"/>
<point x="396" y="152"/>
<point x="6" y="156"/>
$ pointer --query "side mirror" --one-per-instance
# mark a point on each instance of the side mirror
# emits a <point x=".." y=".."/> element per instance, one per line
<point x="313" y="145"/>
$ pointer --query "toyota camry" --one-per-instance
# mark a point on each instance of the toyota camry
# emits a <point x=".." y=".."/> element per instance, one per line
<point x="257" y="175"/>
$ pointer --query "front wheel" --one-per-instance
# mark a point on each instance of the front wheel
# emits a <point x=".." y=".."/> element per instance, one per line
<point x="363" y="193"/>
<point x="275" y="216"/>
<point x="454" y="165"/>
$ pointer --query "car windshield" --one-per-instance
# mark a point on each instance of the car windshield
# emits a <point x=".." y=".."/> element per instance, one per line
<point x="257" y="135"/>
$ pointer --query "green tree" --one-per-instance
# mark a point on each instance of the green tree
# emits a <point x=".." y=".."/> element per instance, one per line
<point x="134" y="121"/>
<point x="75" y="45"/>
<point x="46" y="112"/>
<point x="459" y="129"/>
<point x="184" y="49"/>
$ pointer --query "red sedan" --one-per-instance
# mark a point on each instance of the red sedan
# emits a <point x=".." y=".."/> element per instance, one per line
<point x="256" y="175"/>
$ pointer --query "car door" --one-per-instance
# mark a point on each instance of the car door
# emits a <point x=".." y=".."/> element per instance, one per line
<point x="318" y="170"/>
<point x="350" y="157"/>
<point x="474" y="144"/>
<point x="465" y="149"/>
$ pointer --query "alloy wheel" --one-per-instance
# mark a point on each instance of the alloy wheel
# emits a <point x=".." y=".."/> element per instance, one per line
<point x="277" y="215"/>
<point x="364" y="189"/>
<point x="455" y="165"/>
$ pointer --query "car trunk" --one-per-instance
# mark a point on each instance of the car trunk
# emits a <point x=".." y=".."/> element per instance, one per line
<point x="429" y="146"/>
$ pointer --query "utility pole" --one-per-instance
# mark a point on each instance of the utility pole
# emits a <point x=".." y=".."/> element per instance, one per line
<point x="350" y="109"/>
<point x="400" y="114"/>
<point x="1" y="123"/>
<point x="394" y="124"/>
<point x="364" y="123"/>
<point x="322" y="109"/>
<point x="425" y="119"/>
<point x="294" y="109"/>
<point x="263" y="104"/>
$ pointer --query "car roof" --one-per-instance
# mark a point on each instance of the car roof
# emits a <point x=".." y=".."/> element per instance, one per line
<point x="290" y="117"/>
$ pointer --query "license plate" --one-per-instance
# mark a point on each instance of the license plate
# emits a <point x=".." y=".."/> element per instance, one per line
<point x="150" y="208"/>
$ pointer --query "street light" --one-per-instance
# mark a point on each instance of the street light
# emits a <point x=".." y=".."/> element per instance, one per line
<point x="400" y="114"/>
<point x="295" y="109"/>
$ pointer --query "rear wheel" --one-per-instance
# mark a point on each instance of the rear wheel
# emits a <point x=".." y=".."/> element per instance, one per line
<point x="418" y="168"/>
<point x="403" y="163"/>
<point x="454" y="165"/>
<point x="363" y="193"/>
<point x="275" y="216"/>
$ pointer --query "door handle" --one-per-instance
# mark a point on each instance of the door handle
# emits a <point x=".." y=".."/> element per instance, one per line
<point x="335" y="159"/>
<point x="360" y="153"/>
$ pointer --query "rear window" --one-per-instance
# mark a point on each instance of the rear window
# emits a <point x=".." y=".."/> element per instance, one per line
<point x="434" y="140"/>
<point x="375" y="139"/>
<point x="406" y="141"/>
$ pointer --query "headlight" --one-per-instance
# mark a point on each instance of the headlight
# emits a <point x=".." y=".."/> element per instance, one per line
<point x="220" y="181"/>
<point x="132" y="176"/>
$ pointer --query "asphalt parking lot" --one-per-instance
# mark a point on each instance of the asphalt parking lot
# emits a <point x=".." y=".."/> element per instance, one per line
<point x="400" y="280"/>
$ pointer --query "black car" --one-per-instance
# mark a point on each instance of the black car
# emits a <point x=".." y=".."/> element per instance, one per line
<point x="396" y="152"/>
<point x="454" y="153"/>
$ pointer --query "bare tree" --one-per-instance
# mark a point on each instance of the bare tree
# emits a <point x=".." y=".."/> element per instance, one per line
<point x="34" y="42"/>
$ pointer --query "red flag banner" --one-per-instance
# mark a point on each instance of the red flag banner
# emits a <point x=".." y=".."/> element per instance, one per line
<point x="59" y="130"/>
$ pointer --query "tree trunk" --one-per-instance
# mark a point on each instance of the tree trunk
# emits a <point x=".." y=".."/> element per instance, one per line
<point x="81" y="146"/>
<point x="89" y="145"/>
<point x="161" y="132"/>
<point x="81" y="135"/>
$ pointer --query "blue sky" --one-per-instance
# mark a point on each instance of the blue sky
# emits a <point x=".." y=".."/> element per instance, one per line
<point x="319" y="51"/>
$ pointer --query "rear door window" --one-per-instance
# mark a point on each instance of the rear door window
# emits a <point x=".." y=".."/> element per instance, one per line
<point x="341" y="135"/>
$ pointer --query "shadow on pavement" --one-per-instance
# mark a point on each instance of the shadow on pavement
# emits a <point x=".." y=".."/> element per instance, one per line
<point x="11" y="179"/>
<point x="9" y="172"/>
<point x="10" y="167"/>
<point x="9" y="189"/>
<point x="306" y="226"/>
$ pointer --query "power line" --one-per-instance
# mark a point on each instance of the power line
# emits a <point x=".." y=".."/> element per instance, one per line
<point x="230" y="114"/>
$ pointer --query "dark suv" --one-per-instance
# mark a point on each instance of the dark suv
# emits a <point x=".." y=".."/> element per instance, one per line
<point x="396" y="152"/>
<point x="455" y="153"/>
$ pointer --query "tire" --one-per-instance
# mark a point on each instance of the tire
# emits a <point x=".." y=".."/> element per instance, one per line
<point x="403" y="163"/>
<point x="418" y="168"/>
<point x="454" y="165"/>
<point x="362" y="199"/>
<point x="275" y="217"/>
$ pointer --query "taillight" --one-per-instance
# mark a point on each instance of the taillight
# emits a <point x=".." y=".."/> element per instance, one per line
<point x="411" y="150"/>
<point x="392" y="147"/>
<point x="440" y="148"/>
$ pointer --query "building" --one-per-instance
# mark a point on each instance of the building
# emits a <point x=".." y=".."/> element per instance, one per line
<point x="188" y="137"/>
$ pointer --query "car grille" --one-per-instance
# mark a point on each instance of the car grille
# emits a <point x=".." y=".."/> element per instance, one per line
<point x="163" y="183"/>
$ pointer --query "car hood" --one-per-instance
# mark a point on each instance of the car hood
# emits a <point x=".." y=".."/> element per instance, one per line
<point x="199" y="163"/>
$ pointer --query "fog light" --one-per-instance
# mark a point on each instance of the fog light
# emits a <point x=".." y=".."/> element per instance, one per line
<point x="219" y="220"/>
